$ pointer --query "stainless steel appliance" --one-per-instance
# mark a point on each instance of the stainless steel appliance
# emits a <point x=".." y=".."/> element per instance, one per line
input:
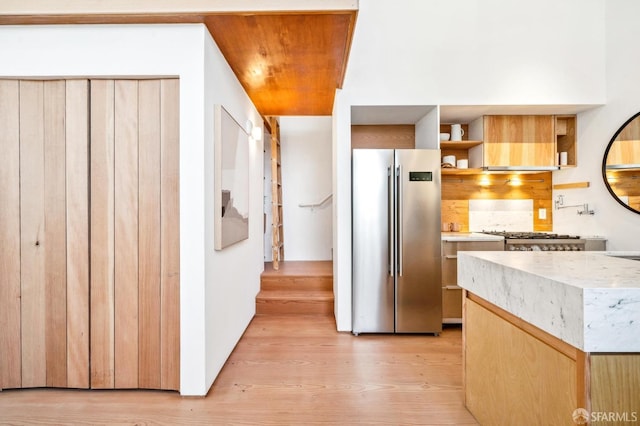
<point x="396" y="241"/>
<point x="539" y="241"/>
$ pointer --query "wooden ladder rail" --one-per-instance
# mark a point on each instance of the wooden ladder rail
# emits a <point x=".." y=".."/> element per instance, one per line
<point x="277" y="234"/>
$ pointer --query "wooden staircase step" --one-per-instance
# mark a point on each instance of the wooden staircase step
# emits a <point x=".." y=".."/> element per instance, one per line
<point x="287" y="302"/>
<point x="293" y="283"/>
<point x="296" y="288"/>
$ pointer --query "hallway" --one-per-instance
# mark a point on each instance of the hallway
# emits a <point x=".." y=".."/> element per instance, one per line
<point x="285" y="370"/>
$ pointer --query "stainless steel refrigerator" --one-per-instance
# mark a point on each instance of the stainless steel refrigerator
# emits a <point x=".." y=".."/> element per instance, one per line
<point x="396" y="241"/>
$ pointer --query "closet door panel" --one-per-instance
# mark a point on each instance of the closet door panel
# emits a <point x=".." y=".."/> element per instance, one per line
<point x="149" y="234"/>
<point x="126" y="233"/>
<point x="32" y="235"/>
<point x="55" y="233"/>
<point x="170" y="236"/>
<point x="77" y="206"/>
<point x="10" y="350"/>
<point x="102" y="261"/>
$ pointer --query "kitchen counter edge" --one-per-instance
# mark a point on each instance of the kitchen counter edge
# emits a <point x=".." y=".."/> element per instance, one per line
<point x="470" y="236"/>
<point x="587" y="299"/>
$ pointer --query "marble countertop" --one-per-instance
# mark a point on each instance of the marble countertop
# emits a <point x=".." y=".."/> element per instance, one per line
<point x="590" y="300"/>
<point x="469" y="236"/>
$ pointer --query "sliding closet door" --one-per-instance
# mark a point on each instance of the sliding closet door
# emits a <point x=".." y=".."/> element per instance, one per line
<point x="170" y="235"/>
<point x="45" y="283"/>
<point x="10" y="351"/>
<point x="77" y="200"/>
<point x="134" y="234"/>
<point x="89" y="234"/>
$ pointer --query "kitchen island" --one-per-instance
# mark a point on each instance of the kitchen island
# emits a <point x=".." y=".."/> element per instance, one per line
<point x="547" y="333"/>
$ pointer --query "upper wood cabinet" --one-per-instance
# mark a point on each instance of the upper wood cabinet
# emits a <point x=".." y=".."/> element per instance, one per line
<point x="519" y="141"/>
<point x="515" y="141"/>
<point x="566" y="139"/>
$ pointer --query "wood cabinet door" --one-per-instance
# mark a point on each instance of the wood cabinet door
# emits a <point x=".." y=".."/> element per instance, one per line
<point x="519" y="140"/>
<point x="44" y="234"/>
<point x="134" y="234"/>
<point x="89" y="202"/>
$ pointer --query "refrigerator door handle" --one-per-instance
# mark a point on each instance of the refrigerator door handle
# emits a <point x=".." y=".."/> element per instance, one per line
<point x="398" y="212"/>
<point x="390" y="218"/>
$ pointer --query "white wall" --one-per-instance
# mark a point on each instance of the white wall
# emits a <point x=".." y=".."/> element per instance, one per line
<point x="620" y="226"/>
<point x="306" y="179"/>
<point x="232" y="276"/>
<point x="461" y="52"/>
<point x="209" y="282"/>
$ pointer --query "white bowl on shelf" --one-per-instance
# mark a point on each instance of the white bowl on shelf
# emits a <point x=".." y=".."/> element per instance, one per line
<point x="445" y="136"/>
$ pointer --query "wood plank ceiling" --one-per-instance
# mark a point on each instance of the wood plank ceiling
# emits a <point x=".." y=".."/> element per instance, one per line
<point x="290" y="63"/>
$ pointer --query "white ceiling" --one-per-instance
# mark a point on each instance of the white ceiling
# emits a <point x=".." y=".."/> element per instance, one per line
<point x="411" y="114"/>
<point x="468" y="113"/>
<point x="389" y="114"/>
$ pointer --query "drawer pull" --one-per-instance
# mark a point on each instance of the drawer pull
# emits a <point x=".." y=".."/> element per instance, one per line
<point x="453" y="287"/>
<point x="451" y="256"/>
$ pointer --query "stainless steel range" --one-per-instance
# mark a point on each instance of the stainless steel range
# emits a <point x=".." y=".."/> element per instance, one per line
<point x="539" y="241"/>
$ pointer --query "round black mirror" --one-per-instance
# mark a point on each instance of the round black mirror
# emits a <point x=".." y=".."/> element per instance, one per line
<point x="621" y="164"/>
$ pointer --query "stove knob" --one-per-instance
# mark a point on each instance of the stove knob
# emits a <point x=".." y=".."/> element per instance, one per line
<point x="544" y="248"/>
<point x="512" y="248"/>
<point x="524" y="248"/>
<point x="535" y="248"/>
<point x="552" y="248"/>
<point x="560" y="248"/>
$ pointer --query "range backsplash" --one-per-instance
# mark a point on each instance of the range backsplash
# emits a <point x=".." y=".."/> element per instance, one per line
<point x="501" y="215"/>
<point x="459" y="190"/>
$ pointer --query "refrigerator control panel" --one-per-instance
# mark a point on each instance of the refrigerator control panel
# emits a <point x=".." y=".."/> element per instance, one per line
<point x="420" y="176"/>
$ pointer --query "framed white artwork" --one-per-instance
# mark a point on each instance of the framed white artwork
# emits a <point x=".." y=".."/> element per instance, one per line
<point x="231" y="180"/>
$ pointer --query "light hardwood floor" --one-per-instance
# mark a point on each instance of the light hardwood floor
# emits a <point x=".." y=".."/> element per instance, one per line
<point x="293" y="370"/>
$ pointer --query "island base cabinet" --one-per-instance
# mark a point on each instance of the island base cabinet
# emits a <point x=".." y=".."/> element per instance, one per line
<point x="515" y="373"/>
<point x="614" y="381"/>
<point x="509" y="374"/>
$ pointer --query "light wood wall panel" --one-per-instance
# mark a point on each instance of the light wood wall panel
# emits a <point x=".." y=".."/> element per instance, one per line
<point x="55" y="230"/>
<point x="126" y="233"/>
<point x="102" y="209"/>
<point x="10" y="346"/>
<point x="170" y="234"/>
<point x="383" y="136"/>
<point x="149" y="238"/>
<point x="32" y="227"/>
<point x="77" y="191"/>
<point x="458" y="189"/>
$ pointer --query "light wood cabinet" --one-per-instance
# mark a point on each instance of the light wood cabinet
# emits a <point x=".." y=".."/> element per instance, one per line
<point x="566" y="139"/>
<point x="534" y="375"/>
<point x="519" y="141"/>
<point x="451" y="293"/>
<point x="527" y="141"/>
<point x="89" y="230"/>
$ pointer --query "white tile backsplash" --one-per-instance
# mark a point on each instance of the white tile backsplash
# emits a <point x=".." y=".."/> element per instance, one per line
<point x="501" y="215"/>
